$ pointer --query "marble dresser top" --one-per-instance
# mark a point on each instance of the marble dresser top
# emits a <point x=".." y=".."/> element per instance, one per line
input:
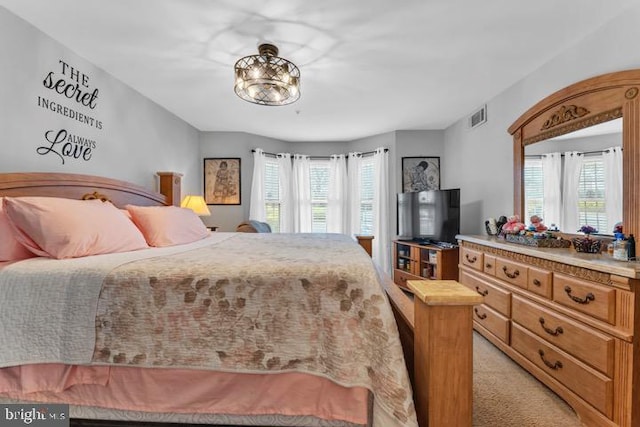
<point x="600" y="262"/>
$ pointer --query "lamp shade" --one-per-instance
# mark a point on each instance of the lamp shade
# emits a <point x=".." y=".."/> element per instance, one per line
<point x="196" y="204"/>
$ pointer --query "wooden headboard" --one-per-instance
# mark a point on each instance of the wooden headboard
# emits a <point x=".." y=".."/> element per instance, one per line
<point x="76" y="186"/>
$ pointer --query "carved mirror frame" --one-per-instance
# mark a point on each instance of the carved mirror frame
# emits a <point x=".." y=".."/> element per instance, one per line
<point x="583" y="104"/>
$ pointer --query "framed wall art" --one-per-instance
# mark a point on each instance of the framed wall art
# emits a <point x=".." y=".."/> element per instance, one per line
<point x="420" y="173"/>
<point x="222" y="181"/>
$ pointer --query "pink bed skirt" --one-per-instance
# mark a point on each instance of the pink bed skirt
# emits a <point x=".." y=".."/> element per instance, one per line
<point x="186" y="391"/>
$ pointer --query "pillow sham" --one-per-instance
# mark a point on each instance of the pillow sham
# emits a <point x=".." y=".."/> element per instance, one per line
<point x="67" y="228"/>
<point x="10" y="248"/>
<point x="168" y="225"/>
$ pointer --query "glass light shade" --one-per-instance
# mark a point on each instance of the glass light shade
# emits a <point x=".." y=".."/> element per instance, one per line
<point x="196" y="204"/>
<point x="267" y="79"/>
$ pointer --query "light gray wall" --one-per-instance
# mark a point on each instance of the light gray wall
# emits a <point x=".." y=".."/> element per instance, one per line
<point x="480" y="160"/>
<point x="239" y="144"/>
<point x="137" y="139"/>
<point x="318" y="148"/>
<point x="410" y="143"/>
<point x="234" y="144"/>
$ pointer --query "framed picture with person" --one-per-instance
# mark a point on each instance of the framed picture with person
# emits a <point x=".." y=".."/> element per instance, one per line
<point x="222" y="181"/>
<point x="420" y="173"/>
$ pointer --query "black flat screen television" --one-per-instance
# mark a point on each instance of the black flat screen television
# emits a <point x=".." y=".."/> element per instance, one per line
<point x="430" y="216"/>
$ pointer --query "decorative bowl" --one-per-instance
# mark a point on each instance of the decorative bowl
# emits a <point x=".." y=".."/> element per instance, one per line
<point x="586" y="244"/>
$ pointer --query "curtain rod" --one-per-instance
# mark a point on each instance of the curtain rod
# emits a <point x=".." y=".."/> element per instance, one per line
<point x="368" y="153"/>
<point x="585" y="153"/>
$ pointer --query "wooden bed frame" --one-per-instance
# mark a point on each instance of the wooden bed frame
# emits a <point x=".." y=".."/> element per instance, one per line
<point x="435" y="324"/>
<point x="75" y="186"/>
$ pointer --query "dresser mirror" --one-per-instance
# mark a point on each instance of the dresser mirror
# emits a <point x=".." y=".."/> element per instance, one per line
<point x="609" y="99"/>
<point x="599" y="192"/>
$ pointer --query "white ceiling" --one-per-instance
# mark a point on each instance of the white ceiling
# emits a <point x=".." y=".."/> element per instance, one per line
<point x="368" y="66"/>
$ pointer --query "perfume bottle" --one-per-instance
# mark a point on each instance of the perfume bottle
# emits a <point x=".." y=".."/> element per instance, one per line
<point x="620" y="251"/>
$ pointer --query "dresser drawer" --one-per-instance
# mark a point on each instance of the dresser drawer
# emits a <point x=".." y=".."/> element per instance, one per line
<point x="586" y="344"/>
<point x="493" y="321"/>
<point x="471" y="258"/>
<point x="588" y="297"/>
<point x="512" y="272"/>
<point x="400" y="278"/>
<point x="489" y="266"/>
<point x="586" y="382"/>
<point x="540" y="282"/>
<point x="494" y="297"/>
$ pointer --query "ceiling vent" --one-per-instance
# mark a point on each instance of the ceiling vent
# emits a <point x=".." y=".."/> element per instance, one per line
<point x="479" y="117"/>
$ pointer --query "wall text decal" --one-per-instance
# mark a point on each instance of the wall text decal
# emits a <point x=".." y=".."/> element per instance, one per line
<point x="72" y="84"/>
<point x="72" y="146"/>
<point x="72" y="90"/>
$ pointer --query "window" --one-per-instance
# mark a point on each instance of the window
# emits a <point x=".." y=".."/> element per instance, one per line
<point x="366" y="197"/>
<point x="591" y="193"/>
<point x="272" y="198"/>
<point x="533" y="188"/>
<point x="319" y="179"/>
<point x="319" y="171"/>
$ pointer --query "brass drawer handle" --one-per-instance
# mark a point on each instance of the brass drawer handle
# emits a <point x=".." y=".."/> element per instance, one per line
<point x="555" y="333"/>
<point x="480" y="316"/>
<point x="554" y="366"/>
<point x="587" y="299"/>
<point x="471" y="260"/>
<point x="483" y="293"/>
<point x="513" y="275"/>
<point x="403" y="279"/>
<point x="488" y="265"/>
<point x="537" y="282"/>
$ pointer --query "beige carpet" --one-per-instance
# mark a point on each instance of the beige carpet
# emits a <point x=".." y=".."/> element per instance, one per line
<point x="505" y="395"/>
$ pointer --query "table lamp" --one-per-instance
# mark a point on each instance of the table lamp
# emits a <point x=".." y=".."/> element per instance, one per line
<point x="196" y="204"/>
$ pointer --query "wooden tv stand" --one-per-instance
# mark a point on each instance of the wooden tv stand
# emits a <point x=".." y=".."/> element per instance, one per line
<point x="414" y="261"/>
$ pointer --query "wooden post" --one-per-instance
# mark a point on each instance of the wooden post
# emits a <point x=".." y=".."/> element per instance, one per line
<point x="443" y="351"/>
<point x="365" y="242"/>
<point x="170" y="185"/>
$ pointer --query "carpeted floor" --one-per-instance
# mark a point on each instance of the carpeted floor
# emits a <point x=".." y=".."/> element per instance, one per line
<point x="505" y="395"/>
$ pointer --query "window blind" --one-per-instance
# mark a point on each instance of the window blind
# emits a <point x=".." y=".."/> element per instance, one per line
<point x="319" y="179"/>
<point x="366" y="197"/>
<point x="533" y="188"/>
<point x="591" y="194"/>
<point x="272" y="194"/>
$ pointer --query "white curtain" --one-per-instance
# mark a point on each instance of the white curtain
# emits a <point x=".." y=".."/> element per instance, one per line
<point x="286" y="199"/>
<point x="570" y="183"/>
<point x="256" y="204"/>
<point x="380" y="248"/>
<point x="353" y="176"/>
<point x="613" y="186"/>
<point x="337" y="203"/>
<point x="552" y="179"/>
<point x="302" y="220"/>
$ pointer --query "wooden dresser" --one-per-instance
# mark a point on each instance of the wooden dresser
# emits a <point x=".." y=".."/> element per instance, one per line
<point x="567" y="318"/>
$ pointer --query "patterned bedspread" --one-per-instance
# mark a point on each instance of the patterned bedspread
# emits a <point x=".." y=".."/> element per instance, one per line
<point x="260" y="303"/>
<point x="240" y="302"/>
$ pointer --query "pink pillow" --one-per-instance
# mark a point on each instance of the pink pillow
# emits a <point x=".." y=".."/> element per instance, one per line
<point x="168" y="225"/>
<point x="67" y="228"/>
<point x="10" y="248"/>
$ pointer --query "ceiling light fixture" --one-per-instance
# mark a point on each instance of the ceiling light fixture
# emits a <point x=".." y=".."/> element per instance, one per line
<point x="267" y="79"/>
